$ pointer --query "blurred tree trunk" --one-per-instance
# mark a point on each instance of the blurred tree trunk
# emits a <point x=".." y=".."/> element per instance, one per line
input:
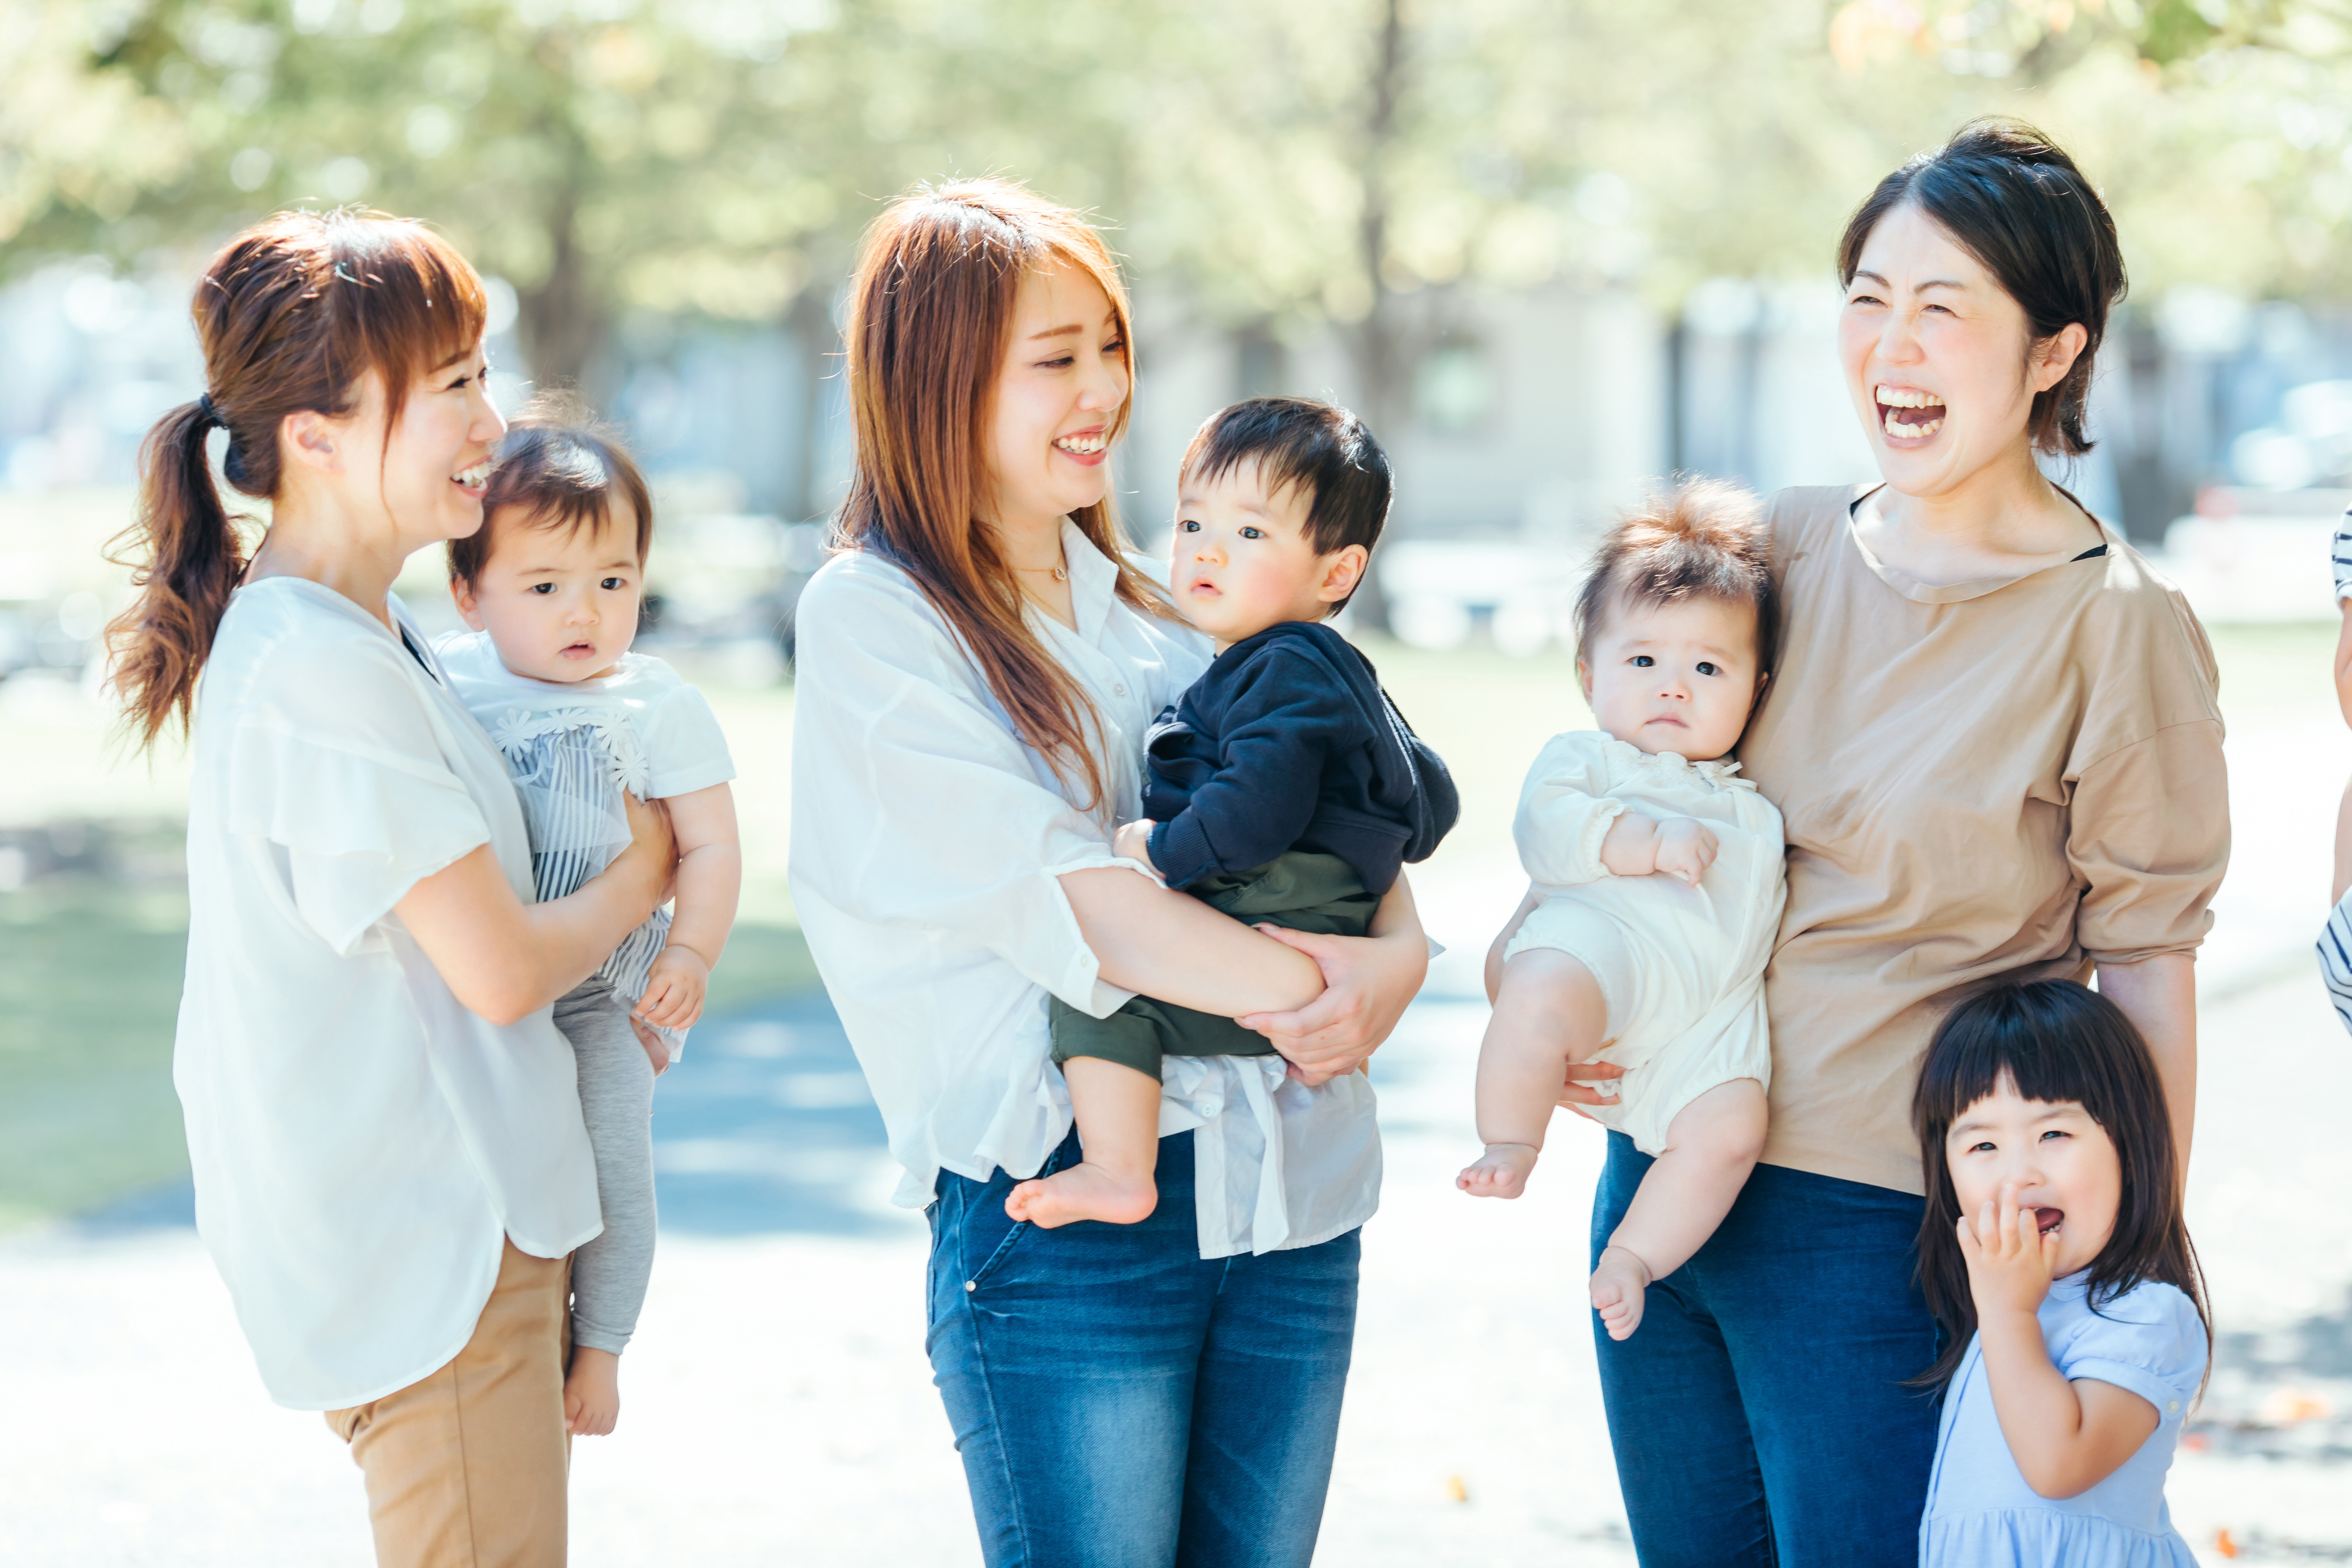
<point x="811" y="324"/>
<point x="563" y="320"/>
<point x="1379" y="361"/>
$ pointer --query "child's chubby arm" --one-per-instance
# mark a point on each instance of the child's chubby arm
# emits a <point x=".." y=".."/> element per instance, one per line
<point x="709" y="882"/>
<point x="1681" y="847"/>
<point x="1570" y="830"/>
<point x="2066" y="1437"/>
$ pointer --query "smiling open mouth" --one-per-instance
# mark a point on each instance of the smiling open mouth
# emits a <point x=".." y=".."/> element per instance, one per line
<point x="1908" y="414"/>
<point x="475" y="478"/>
<point x="2047" y="1220"/>
<point x="1091" y="443"/>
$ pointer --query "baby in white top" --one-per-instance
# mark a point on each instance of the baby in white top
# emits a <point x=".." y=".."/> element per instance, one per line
<point x="1657" y="891"/>
<point x="552" y="585"/>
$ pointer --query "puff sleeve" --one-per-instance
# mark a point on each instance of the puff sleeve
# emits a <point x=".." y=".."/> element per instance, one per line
<point x="1566" y="811"/>
<point x="683" y="745"/>
<point x="2148" y="1342"/>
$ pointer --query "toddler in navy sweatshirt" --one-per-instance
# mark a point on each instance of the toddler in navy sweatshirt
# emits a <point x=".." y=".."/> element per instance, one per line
<point x="1283" y="788"/>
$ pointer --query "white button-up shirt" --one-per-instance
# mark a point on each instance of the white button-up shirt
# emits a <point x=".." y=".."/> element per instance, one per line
<point x="361" y="1141"/>
<point x="928" y="845"/>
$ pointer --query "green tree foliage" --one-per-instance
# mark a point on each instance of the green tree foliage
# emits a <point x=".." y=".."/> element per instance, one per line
<point x="1349" y="161"/>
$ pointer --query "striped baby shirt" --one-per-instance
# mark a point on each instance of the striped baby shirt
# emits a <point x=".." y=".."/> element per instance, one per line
<point x="571" y="750"/>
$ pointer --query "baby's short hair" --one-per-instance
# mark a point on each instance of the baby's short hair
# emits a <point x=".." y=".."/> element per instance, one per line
<point x="558" y="467"/>
<point x="1302" y="441"/>
<point x="1702" y="539"/>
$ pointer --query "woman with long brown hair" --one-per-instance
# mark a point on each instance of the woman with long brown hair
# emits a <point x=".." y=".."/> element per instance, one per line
<point x="976" y="669"/>
<point x="390" y="1165"/>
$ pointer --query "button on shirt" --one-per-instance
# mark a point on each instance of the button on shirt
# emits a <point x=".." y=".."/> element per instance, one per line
<point x="361" y="1141"/>
<point x="928" y="843"/>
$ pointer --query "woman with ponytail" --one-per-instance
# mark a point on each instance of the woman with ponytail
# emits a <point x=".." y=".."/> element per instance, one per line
<point x="390" y="1164"/>
<point x="977" y="666"/>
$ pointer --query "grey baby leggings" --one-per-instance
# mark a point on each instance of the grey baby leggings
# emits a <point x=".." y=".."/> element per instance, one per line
<point x="616" y="1099"/>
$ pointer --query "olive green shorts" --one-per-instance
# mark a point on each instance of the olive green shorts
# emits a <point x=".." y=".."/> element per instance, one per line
<point x="1302" y="891"/>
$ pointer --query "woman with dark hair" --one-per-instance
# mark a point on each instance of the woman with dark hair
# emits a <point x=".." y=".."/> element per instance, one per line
<point x="977" y="666"/>
<point x="391" y="1168"/>
<point x="1994" y="739"/>
<point x="2055" y="1257"/>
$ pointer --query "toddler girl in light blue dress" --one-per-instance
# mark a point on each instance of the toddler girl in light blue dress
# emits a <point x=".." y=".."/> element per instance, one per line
<point x="2054" y="1255"/>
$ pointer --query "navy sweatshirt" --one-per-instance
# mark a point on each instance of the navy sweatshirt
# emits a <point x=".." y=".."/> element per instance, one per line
<point x="1287" y="742"/>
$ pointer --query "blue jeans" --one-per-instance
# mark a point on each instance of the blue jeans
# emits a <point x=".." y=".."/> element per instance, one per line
<point x="1120" y="1402"/>
<point x="1759" y="1413"/>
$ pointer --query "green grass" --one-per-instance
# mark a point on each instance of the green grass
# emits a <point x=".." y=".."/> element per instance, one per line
<point x="89" y="987"/>
<point x="89" y="992"/>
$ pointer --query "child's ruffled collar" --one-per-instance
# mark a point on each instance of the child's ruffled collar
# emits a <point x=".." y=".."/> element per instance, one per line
<point x="1716" y="773"/>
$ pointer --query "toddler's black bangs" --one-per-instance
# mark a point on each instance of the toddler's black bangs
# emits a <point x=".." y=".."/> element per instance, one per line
<point x="2051" y="1040"/>
<point x="1321" y="447"/>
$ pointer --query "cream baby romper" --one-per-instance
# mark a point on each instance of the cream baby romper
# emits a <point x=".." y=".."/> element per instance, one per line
<point x="1681" y="968"/>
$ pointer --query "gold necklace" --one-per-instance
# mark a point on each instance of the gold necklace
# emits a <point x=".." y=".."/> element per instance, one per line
<point x="1060" y="573"/>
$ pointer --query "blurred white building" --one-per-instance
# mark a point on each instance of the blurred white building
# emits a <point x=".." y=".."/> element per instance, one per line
<point x="1528" y="420"/>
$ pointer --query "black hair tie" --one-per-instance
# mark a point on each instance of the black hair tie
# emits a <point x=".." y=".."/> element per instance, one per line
<point x="232" y="463"/>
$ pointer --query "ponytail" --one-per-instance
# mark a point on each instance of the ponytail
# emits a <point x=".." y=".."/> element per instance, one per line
<point x="188" y="560"/>
<point x="292" y="315"/>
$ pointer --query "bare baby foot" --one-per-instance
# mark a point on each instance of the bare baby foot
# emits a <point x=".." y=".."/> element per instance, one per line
<point x="591" y="1393"/>
<point x="1500" y="1173"/>
<point x="1085" y="1191"/>
<point x="1620" y="1289"/>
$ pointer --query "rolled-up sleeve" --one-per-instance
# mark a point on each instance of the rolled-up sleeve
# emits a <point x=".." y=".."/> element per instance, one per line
<point x="914" y="805"/>
<point x="2150" y="838"/>
<point x="1565" y="813"/>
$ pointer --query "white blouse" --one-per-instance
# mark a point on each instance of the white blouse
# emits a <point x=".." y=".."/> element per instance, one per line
<point x="927" y="847"/>
<point x="361" y="1141"/>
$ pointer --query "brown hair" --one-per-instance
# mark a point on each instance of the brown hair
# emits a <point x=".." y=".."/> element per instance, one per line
<point x="1303" y="441"/>
<point x="1703" y="538"/>
<point x="2011" y="197"/>
<point x="558" y="470"/>
<point x="930" y="310"/>
<point x="292" y="315"/>
<point x="2053" y="1041"/>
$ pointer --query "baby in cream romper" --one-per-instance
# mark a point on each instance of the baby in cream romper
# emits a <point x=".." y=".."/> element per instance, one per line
<point x="1656" y="895"/>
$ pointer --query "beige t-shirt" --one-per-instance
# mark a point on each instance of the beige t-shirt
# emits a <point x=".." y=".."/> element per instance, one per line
<point x="2008" y="776"/>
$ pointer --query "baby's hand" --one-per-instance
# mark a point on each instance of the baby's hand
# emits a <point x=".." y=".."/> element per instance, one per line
<point x="1133" y="842"/>
<point x="1687" y="847"/>
<point x="2010" y="1258"/>
<point x="674" y="988"/>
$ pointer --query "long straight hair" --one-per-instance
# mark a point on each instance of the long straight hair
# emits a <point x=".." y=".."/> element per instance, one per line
<point x="930" y="308"/>
<point x="2051" y="1040"/>
<point x="292" y="315"/>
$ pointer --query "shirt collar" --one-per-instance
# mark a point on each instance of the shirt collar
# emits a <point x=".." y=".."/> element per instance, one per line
<point x="1094" y="581"/>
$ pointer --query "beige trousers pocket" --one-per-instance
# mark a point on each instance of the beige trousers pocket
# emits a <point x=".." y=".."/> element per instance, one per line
<point x="466" y="1467"/>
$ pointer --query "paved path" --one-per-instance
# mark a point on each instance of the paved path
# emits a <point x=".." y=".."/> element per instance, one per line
<point x="778" y="1405"/>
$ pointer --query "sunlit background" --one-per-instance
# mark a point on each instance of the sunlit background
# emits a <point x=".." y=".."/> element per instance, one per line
<point x="1552" y="249"/>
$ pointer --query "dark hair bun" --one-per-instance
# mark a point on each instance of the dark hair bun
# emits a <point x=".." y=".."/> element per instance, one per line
<point x="2011" y="197"/>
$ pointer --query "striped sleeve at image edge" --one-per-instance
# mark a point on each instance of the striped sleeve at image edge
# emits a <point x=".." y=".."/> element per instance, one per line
<point x="2335" y="958"/>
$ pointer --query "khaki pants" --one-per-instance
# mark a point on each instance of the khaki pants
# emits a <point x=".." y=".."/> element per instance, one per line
<point x="466" y="1467"/>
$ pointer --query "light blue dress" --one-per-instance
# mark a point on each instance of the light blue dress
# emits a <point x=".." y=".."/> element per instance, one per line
<point x="1980" y="1513"/>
